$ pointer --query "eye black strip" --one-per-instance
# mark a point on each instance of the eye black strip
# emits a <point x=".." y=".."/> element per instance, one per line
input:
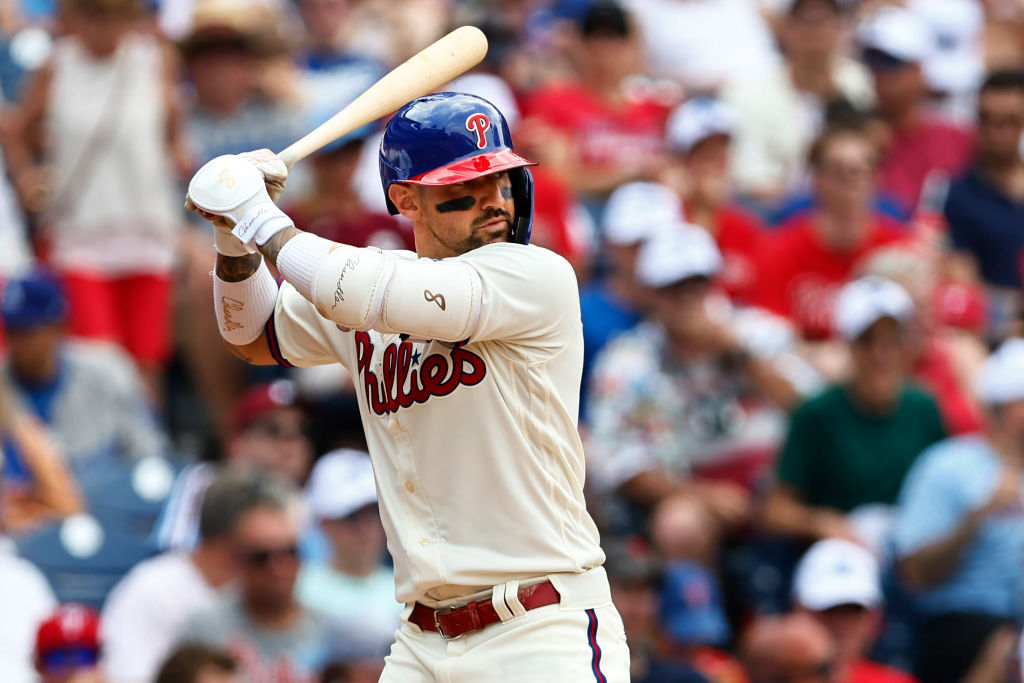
<point x="457" y="204"/>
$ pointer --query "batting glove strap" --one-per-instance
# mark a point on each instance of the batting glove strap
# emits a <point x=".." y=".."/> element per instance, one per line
<point x="243" y="308"/>
<point x="260" y="222"/>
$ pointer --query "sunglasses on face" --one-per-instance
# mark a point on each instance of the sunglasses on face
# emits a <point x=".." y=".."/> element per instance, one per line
<point x="262" y="557"/>
<point x="69" y="658"/>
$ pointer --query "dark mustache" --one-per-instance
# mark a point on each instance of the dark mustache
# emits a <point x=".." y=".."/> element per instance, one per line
<point x="491" y="215"/>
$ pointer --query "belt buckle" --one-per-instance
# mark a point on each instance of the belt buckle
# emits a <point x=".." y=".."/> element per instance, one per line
<point x="438" y="613"/>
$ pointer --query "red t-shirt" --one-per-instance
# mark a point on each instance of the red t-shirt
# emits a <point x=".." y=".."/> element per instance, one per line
<point x="799" y="277"/>
<point x="866" y="671"/>
<point x="913" y="154"/>
<point x="739" y="239"/>
<point x="601" y="135"/>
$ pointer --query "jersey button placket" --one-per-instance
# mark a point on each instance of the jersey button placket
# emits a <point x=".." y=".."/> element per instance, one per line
<point x="417" y="505"/>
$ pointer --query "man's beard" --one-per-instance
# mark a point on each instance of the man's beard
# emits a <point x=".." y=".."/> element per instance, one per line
<point x="478" y="238"/>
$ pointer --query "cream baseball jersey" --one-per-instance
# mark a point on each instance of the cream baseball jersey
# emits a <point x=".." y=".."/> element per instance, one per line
<point x="475" y="447"/>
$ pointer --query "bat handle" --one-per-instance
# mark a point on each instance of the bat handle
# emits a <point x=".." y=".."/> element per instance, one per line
<point x="288" y="156"/>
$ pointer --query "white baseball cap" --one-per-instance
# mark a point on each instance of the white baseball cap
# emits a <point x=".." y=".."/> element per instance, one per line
<point x="955" y="64"/>
<point x="898" y="33"/>
<point x="696" y="120"/>
<point x="680" y="251"/>
<point x="837" y="572"/>
<point x="635" y="211"/>
<point x="341" y="483"/>
<point x="1001" y="377"/>
<point x="864" y="302"/>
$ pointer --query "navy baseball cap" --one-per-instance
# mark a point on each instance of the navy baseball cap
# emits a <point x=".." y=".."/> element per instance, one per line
<point x="32" y="301"/>
<point x="691" y="606"/>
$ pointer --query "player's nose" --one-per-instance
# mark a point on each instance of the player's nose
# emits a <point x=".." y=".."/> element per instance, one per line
<point x="491" y="195"/>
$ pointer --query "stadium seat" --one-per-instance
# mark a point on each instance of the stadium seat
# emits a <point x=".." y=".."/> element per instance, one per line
<point x="81" y="557"/>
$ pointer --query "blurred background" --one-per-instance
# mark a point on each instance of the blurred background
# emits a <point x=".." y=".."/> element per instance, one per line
<point x="798" y="230"/>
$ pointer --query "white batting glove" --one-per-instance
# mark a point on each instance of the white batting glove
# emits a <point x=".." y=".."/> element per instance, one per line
<point x="274" y="171"/>
<point x="233" y="187"/>
<point x="223" y="241"/>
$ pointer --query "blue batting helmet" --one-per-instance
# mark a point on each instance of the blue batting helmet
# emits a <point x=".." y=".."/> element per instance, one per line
<point x="449" y="138"/>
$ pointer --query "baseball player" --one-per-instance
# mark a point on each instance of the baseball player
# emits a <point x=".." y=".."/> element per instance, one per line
<point x="466" y="358"/>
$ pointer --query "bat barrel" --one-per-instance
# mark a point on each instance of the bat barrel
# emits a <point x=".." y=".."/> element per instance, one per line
<point x="424" y="72"/>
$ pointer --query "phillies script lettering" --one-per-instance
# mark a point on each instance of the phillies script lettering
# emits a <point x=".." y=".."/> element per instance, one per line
<point x="401" y="384"/>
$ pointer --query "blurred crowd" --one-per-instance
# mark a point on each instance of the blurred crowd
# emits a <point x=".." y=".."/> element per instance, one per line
<point x="798" y="230"/>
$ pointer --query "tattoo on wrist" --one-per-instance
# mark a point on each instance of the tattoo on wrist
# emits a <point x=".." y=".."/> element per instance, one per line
<point x="273" y="247"/>
<point x="237" y="268"/>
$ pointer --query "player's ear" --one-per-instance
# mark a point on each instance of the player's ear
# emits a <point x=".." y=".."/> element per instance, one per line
<point x="406" y="200"/>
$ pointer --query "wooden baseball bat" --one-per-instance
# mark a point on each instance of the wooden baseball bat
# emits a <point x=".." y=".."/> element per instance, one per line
<point x="424" y="72"/>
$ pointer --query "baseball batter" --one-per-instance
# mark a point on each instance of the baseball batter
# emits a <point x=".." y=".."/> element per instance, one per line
<point x="466" y="358"/>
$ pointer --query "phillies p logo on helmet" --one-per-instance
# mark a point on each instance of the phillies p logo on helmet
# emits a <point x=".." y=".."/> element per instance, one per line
<point x="479" y="123"/>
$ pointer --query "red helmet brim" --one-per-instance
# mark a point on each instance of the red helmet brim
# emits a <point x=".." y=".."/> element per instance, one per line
<point x="472" y="168"/>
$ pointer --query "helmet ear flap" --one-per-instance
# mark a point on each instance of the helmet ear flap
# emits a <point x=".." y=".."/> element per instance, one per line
<point x="387" y="173"/>
<point x="522" y="196"/>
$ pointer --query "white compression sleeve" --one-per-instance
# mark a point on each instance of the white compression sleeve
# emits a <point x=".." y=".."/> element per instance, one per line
<point x="300" y="258"/>
<point x="244" y="307"/>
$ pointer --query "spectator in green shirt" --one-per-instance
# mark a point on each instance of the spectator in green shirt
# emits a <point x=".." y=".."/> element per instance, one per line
<point x="852" y="445"/>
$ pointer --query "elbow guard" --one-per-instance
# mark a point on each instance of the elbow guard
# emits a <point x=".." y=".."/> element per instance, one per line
<point x="349" y="286"/>
<point x="360" y="289"/>
<point x="429" y="299"/>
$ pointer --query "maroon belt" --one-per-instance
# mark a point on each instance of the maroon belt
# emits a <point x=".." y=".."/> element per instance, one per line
<point x="452" y="622"/>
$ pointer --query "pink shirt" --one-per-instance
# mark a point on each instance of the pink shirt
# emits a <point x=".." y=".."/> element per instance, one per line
<point x="929" y="147"/>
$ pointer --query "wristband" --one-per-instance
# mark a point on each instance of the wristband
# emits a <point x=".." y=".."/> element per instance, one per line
<point x="244" y="307"/>
<point x="260" y="223"/>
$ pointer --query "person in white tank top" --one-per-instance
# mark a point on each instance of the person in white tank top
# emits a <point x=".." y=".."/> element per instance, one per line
<point x="100" y="116"/>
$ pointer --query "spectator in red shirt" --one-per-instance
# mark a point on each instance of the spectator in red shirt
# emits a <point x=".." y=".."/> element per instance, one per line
<point x="695" y="187"/>
<point x="602" y="133"/>
<point x="699" y="134"/>
<point x="837" y="582"/>
<point x="802" y="267"/>
<point x="923" y="154"/>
